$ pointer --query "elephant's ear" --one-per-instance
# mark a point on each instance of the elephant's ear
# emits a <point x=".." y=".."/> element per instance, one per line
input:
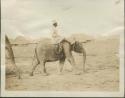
<point x="77" y="47"/>
<point x="73" y="46"/>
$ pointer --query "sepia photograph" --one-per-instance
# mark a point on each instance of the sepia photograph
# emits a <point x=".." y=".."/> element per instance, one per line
<point x="62" y="48"/>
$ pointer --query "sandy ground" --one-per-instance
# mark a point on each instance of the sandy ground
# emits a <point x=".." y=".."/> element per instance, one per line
<point x="102" y="70"/>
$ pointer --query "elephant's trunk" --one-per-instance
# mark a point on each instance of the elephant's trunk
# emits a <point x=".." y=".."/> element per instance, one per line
<point x="84" y="59"/>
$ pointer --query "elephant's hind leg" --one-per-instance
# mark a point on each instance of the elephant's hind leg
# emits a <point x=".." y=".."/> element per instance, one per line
<point x="72" y="62"/>
<point x="35" y="64"/>
<point x="44" y="73"/>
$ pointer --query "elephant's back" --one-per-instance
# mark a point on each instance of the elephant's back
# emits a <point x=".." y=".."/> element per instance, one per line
<point x="45" y="43"/>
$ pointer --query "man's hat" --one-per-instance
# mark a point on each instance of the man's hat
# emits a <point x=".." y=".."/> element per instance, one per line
<point x="54" y="22"/>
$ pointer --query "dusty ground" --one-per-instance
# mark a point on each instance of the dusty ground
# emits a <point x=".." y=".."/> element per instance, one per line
<point x="102" y="68"/>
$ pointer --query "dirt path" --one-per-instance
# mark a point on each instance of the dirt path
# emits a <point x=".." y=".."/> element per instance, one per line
<point x="102" y="75"/>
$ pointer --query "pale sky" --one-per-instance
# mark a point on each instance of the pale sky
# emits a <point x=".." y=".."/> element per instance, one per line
<point x="33" y="18"/>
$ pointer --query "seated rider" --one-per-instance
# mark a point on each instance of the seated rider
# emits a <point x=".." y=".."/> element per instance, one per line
<point x="56" y="37"/>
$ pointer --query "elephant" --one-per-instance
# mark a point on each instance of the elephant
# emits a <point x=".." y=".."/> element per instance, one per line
<point x="47" y="52"/>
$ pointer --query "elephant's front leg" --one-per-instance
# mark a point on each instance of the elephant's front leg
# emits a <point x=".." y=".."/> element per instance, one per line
<point x="61" y="64"/>
<point x="72" y="62"/>
<point x="69" y="56"/>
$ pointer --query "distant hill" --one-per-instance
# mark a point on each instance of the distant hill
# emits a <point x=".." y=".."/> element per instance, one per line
<point x="77" y="36"/>
<point x="80" y="37"/>
<point x="21" y="40"/>
<point x="24" y="40"/>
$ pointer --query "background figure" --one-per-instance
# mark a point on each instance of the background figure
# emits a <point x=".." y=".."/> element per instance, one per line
<point x="12" y="67"/>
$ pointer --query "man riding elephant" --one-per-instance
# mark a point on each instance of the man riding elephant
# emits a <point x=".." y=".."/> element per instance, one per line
<point x="59" y="50"/>
<point x="57" y="38"/>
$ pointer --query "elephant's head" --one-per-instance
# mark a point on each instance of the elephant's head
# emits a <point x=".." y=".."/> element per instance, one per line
<point x="78" y="47"/>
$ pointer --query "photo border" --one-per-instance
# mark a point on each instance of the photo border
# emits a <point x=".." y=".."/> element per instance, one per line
<point x="5" y="93"/>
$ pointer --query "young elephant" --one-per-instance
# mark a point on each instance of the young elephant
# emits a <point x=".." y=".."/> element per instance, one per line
<point x="46" y="52"/>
